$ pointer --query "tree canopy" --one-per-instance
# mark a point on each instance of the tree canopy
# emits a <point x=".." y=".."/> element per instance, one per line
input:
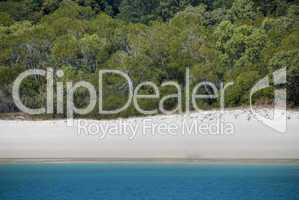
<point x="151" y="40"/>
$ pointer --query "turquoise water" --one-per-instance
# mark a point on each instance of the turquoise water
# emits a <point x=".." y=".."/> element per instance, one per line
<point x="148" y="181"/>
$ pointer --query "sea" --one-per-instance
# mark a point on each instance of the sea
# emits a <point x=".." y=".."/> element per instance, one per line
<point x="148" y="181"/>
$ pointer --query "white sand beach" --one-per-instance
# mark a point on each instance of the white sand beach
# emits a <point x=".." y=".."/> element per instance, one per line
<point x="250" y="138"/>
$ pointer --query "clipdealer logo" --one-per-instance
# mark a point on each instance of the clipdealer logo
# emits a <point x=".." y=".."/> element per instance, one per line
<point x="279" y="120"/>
<point x="191" y="97"/>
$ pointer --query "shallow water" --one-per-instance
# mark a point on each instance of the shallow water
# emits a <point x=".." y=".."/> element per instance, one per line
<point x="148" y="181"/>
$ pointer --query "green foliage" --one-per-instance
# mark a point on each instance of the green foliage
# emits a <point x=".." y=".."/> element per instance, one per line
<point x="18" y="10"/>
<point x="138" y="10"/>
<point x="168" y="8"/>
<point x="288" y="57"/>
<point x="243" y="82"/>
<point x="244" y="10"/>
<point x="5" y="19"/>
<point x="65" y="49"/>
<point x="153" y="40"/>
<point x="239" y="46"/>
<point x="272" y="7"/>
<point x="223" y="3"/>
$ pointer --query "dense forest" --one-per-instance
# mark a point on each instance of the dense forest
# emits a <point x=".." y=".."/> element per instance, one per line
<point x="151" y="40"/>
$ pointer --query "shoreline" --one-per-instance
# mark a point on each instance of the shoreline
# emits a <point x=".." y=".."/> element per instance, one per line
<point x="222" y="161"/>
<point x="20" y="116"/>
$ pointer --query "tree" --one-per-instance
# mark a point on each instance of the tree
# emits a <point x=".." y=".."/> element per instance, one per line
<point x="239" y="46"/>
<point x="288" y="56"/>
<point x="48" y="6"/>
<point x="5" y="19"/>
<point x="272" y="7"/>
<point x="244" y="10"/>
<point x="138" y="10"/>
<point x="168" y="8"/>
<point x="7" y="76"/>
<point x="190" y="17"/>
<point x="66" y="50"/>
<point x="18" y="10"/>
<point x="240" y="92"/>
<point x="222" y="4"/>
<point x="93" y="50"/>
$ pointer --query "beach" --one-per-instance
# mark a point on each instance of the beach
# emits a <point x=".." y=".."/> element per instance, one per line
<point x="90" y="140"/>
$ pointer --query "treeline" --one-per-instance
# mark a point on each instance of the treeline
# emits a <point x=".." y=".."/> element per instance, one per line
<point x="138" y="11"/>
<point x="150" y="40"/>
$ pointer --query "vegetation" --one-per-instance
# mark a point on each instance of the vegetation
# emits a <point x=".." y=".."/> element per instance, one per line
<point x="151" y="40"/>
